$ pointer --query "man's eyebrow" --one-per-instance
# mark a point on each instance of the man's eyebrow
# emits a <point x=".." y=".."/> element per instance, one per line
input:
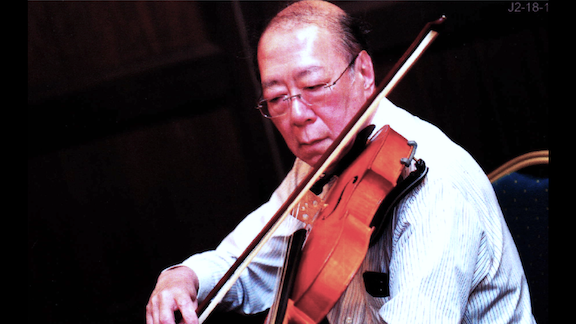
<point x="269" y="84"/>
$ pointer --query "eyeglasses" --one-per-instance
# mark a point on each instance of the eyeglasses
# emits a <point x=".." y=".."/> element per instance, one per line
<point x="310" y="96"/>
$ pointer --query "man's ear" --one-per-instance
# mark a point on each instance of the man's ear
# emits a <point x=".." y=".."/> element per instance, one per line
<point x="366" y="68"/>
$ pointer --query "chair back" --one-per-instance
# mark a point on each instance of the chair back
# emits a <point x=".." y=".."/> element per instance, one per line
<point x="524" y="202"/>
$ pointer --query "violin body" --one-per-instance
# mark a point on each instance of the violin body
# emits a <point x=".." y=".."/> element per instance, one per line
<point x="340" y="236"/>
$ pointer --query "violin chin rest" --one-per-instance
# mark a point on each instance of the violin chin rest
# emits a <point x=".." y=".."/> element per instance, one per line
<point x="382" y="217"/>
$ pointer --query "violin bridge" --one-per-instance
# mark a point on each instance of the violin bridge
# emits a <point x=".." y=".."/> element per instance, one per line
<point x="308" y="208"/>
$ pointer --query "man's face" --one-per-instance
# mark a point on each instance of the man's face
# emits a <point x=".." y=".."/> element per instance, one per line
<point x="290" y="61"/>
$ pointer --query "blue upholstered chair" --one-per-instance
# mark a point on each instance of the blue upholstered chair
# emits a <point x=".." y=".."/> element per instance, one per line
<point x="524" y="202"/>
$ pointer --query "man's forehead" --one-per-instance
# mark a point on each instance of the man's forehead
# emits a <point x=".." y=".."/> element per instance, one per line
<point x="300" y="34"/>
<point x="288" y="38"/>
<point x="310" y="46"/>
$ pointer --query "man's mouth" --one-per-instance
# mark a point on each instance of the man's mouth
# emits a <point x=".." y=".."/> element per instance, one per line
<point x="311" y="143"/>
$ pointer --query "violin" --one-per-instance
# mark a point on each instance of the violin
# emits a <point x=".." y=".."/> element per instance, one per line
<point x="340" y="236"/>
<point x="342" y="226"/>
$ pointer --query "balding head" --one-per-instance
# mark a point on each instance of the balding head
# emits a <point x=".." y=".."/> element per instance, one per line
<point x="349" y="33"/>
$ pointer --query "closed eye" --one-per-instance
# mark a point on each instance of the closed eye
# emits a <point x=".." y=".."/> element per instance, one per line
<point x="276" y="99"/>
<point x="315" y="87"/>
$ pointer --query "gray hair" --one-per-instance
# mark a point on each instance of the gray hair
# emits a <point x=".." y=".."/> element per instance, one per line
<point x="348" y="31"/>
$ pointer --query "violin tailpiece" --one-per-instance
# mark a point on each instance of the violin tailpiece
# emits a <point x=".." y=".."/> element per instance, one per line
<point x="308" y="208"/>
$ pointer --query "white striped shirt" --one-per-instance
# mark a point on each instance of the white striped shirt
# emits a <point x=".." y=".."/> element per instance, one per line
<point x="449" y="254"/>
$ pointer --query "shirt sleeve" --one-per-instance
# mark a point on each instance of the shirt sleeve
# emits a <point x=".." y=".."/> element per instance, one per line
<point x="254" y="290"/>
<point x="434" y="251"/>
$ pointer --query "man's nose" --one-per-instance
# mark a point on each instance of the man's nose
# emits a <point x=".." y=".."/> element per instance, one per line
<point x="300" y="111"/>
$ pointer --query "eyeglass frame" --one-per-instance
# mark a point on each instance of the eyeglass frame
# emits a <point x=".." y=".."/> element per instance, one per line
<point x="288" y="97"/>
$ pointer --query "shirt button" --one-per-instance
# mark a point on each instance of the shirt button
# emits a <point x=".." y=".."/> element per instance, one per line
<point x="348" y="320"/>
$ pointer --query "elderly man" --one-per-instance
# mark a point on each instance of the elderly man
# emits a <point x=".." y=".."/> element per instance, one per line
<point x="448" y="253"/>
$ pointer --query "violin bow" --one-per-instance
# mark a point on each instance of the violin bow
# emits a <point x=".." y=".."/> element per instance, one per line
<point x="410" y="57"/>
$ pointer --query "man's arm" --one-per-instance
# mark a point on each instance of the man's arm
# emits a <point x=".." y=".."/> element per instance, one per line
<point x="180" y="287"/>
<point x="190" y="282"/>
<point x="436" y="244"/>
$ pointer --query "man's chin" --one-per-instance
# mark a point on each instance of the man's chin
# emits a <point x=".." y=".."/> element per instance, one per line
<point x="311" y="161"/>
<point x="311" y="154"/>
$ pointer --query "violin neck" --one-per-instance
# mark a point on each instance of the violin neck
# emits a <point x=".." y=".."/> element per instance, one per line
<point x="291" y="262"/>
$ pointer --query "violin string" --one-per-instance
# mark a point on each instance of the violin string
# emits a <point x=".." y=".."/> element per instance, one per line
<point x="282" y="272"/>
<point x="281" y="275"/>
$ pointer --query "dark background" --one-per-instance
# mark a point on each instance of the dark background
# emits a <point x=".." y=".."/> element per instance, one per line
<point x="144" y="146"/>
